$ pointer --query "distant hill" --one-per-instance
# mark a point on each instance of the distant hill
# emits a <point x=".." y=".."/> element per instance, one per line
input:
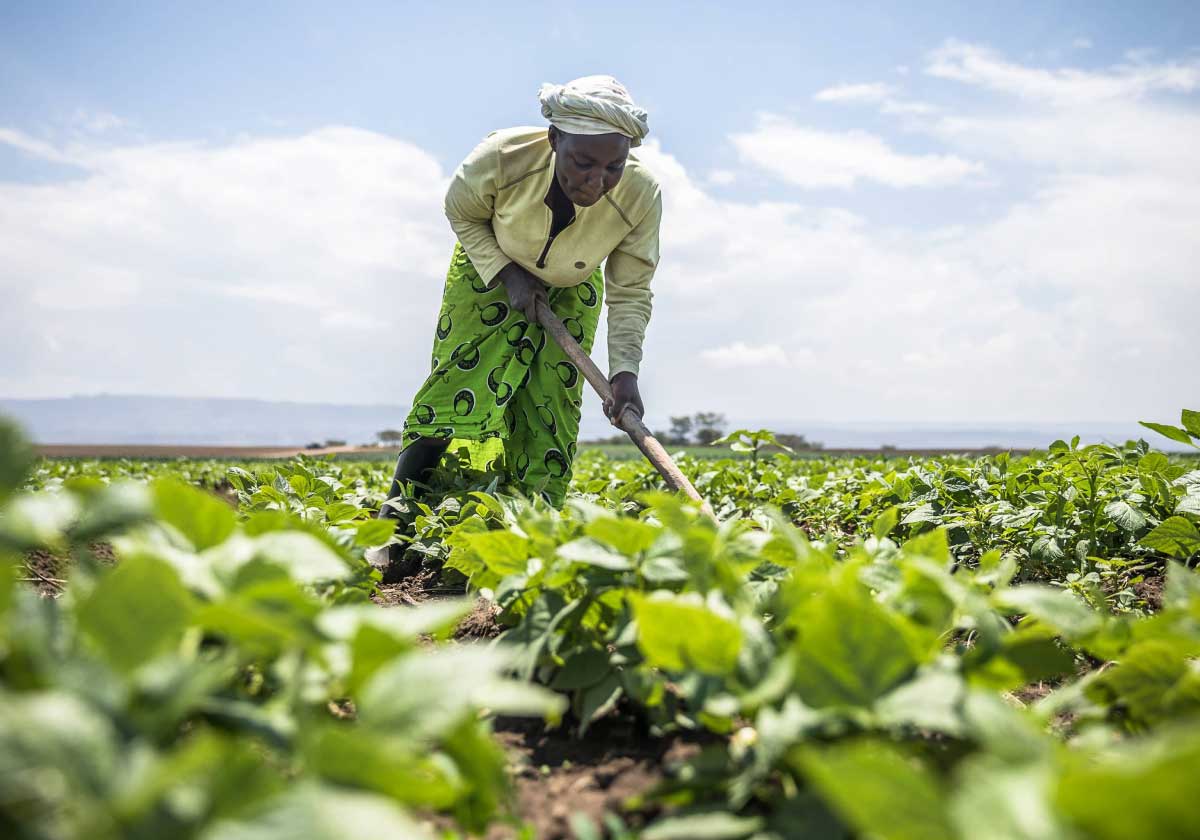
<point x="185" y="420"/>
<point x="123" y="419"/>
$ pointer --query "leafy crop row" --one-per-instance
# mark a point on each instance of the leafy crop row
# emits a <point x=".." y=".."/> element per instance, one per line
<point x="1002" y="647"/>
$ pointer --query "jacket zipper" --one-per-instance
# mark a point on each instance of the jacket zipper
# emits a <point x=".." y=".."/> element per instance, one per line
<point x="541" y="263"/>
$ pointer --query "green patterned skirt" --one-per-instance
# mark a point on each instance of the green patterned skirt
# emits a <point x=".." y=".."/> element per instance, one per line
<point x="500" y="386"/>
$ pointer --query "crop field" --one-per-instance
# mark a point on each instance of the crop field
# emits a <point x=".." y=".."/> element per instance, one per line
<point x="1001" y="646"/>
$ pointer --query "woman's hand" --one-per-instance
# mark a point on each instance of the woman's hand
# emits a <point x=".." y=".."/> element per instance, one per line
<point x="524" y="290"/>
<point x="625" y="394"/>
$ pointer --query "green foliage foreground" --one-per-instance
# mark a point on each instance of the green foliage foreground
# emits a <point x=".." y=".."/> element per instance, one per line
<point x="931" y="649"/>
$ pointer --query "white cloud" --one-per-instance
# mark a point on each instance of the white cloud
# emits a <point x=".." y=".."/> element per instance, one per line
<point x="301" y="267"/>
<point x="984" y="67"/>
<point x="96" y="122"/>
<point x="872" y="92"/>
<point x="1075" y="300"/>
<point x="739" y="354"/>
<point x="1082" y="43"/>
<point x="722" y="177"/>
<point x="809" y="157"/>
<point x="907" y="107"/>
<point x="36" y="148"/>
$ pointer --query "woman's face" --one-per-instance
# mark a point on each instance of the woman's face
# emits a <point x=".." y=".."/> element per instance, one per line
<point x="588" y="165"/>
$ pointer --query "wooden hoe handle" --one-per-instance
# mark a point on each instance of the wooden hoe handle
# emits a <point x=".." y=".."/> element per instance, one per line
<point x="630" y="421"/>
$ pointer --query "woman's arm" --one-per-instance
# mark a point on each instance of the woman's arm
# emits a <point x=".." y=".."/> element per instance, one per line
<point x="470" y="204"/>
<point x="627" y="275"/>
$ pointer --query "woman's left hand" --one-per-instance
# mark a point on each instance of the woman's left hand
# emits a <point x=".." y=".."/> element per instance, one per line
<point x="625" y="394"/>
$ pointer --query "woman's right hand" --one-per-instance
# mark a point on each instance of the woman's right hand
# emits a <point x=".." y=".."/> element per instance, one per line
<point x="524" y="290"/>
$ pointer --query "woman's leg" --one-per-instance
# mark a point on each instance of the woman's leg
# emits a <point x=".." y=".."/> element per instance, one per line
<point x="414" y="464"/>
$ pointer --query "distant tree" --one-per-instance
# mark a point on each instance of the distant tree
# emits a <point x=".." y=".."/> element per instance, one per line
<point x="681" y="430"/>
<point x="390" y="436"/>
<point x="334" y="442"/>
<point x="313" y="445"/>
<point x="709" y="426"/>
<point x="799" y="442"/>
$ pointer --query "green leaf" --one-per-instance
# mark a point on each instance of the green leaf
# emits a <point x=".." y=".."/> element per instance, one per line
<point x="850" y="650"/>
<point x="374" y="532"/>
<point x="320" y="812"/>
<point x="598" y="700"/>
<point x="36" y="520"/>
<point x="921" y="513"/>
<point x="582" y="669"/>
<point x="1095" y="790"/>
<point x="1154" y="681"/>
<point x="879" y="790"/>
<point x="1173" y="432"/>
<point x="999" y="800"/>
<point x="502" y="552"/>
<point x="1182" y="588"/>
<point x="1127" y="517"/>
<point x="136" y="611"/>
<point x="1190" y="481"/>
<point x="1058" y="608"/>
<point x="1024" y="657"/>
<point x="588" y="551"/>
<point x="885" y="522"/>
<point x="628" y="536"/>
<point x="930" y="702"/>
<point x="200" y="516"/>
<point x="1175" y="537"/>
<point x="427" y="693"/>
<point x="1191" y="421"/>
<point x="306" y="558"/>
<point x="112" y="509"/>
<point x="265" y="618"/>
<point x="713" y="825"/>
<point x="370" y="650"/>
<point x="678" y="633"/>
<point x="435" y="617"/>
<point x="1153" y="462"/>
<point x="1189" y="504"/>
<point x="54" y="734"/>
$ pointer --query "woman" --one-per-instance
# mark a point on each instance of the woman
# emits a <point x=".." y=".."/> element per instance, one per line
<point x="536" y="211"/>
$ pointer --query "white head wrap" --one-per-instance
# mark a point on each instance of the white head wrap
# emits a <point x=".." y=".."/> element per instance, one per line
<point x="593" y="105"/>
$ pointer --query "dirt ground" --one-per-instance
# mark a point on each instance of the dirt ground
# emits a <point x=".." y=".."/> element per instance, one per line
<point x="556" y="774"/>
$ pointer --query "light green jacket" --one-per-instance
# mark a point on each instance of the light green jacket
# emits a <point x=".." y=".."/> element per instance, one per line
<point x="496" y="206"/>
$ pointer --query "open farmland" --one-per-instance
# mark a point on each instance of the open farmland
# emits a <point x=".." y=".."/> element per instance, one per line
<point x="948" y="647"/>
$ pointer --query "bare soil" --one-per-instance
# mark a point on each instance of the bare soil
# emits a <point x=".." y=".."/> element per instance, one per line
<point x="1150" y="590"/>
<point x="47" y="572"/>
<point x="556" y="775"/>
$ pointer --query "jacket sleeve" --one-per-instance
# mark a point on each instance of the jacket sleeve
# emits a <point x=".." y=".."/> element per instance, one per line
<point x="627" y="275"/>
<point x="469" y="205"/>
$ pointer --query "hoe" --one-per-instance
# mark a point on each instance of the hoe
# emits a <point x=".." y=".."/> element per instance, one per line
<point x="630" y="421"/>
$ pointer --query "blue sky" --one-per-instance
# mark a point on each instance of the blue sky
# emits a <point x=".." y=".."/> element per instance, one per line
<point x="991" y="171"/>
<point x="441" y="76"/>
